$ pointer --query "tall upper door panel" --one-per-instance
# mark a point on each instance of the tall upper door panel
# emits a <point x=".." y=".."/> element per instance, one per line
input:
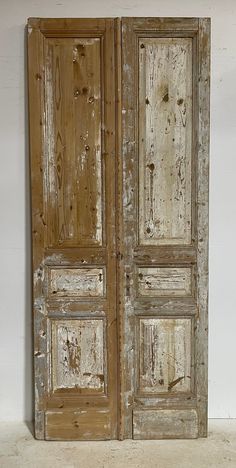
<point x="165" y="140"/>
<point x="72" y="139"/>
<point x="73" y="96"/>
<point x="165" y="128"/>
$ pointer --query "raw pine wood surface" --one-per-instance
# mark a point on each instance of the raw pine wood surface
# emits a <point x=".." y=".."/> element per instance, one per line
<point x="119" y="143"/>
<point x="72" y="134"/>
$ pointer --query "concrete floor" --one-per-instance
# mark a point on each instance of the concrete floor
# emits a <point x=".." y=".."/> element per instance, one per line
<point x="19" y="449"/>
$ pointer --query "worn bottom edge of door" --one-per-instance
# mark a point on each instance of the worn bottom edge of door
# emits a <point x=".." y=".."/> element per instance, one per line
<point x="94" y="424"/>
<point x="165" y="424"/>
<point x="91" y="424"/>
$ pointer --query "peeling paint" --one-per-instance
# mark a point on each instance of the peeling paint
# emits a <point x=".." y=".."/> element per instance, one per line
<point x="77" y="354"/>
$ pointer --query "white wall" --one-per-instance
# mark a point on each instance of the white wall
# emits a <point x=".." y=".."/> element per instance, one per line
<point x="15" y="321"/>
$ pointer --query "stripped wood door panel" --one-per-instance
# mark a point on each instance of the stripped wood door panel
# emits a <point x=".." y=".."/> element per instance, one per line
<point x="165" y="137"/>
<point x="72" y="140"/>
<point x="164" y="227"/>
<point x="119" y="130"/>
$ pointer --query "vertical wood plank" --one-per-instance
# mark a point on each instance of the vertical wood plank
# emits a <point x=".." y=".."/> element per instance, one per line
<point x="129" y="220"/>
<point x="119" y="231"/>
<point x="109" y="156"/>
<point x="201" y="352"/>
<point x="36" y="119"/>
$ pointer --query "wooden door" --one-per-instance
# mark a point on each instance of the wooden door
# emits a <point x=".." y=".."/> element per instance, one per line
<point x="165" y="127"/>
<point x="72" y="143"/>
<point x="119" y="127"/>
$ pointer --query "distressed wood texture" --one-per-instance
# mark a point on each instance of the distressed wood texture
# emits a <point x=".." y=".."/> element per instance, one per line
<point x="73" y="146"/>
<point x="165" y="138"/>
<point x="164" y="363"/>
<point x="74" y="141"/>
<point x="79" y="282"/>
<point x="165" y="424"/>
<point x="119" y="148"/>
<point x="84" y="424"/>
<point x="78" y="355"/>
<point x="164" y="281"/>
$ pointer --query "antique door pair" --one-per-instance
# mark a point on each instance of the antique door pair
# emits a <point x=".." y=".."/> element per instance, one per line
<point x="119" y="130"/>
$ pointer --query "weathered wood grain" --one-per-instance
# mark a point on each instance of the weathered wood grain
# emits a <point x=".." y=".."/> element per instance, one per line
<point x="128" y="170"/>
<point x="164" y="355"/>
<point x="165" y="424"/>
<point x="119" y="136"/>
<point x="165" y="136"/>
<point x="87" y="424"/>
<point x="165" y="255"/>
<point x="164" y="281"/>
<point x="81" y="282"/>
<point x="73" y="145"/>
<point x="165" y="185"/>
<point x="165" y="306"/>
<point x="201" y="351"/>
<point x="75" y="256"/>
<point x="36" y="113"/>
<point x="78" y="354"/>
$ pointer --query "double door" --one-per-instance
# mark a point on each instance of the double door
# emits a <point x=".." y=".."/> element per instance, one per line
<point x="119" y="130"/>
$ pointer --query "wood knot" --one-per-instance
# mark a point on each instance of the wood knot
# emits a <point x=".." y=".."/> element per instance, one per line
<point x="166" y="97"/>
<point x="151" y="167"/>
<point x="76" y="93"/>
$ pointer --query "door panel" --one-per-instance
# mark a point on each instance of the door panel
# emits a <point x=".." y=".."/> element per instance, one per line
<point x="72" y="123"/>
<point x="165" y="139"/>
<point x="74" y="119"/>
<point x="164" y="360"/>
<point x="164" y="281"/>
<point x="78" y="355"/>
<point x="165" y="424"/>
<point x="165" y="126"/>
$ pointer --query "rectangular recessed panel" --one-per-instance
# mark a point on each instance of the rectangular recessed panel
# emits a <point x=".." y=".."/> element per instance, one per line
<point x="78" y="355"/>
<point x="165" y="140"/>
<point x="81" y="282"/>
<point x="165" y="424"/>
<point x="164" y="355"/>
<point x="73" y="96"/>
<point x="164" y="281"/>
<point x="87" y="424"/>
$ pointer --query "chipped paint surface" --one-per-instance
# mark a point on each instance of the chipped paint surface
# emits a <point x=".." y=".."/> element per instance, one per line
<point x="75" y="152"/>
<point x="81" y="282"/>
<point x="164" y="281"/>
<point x="165" y="136"/>
<point x="77" y="354"/>
<point x="165" y="355"/>
<point x="165" y="424"/>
